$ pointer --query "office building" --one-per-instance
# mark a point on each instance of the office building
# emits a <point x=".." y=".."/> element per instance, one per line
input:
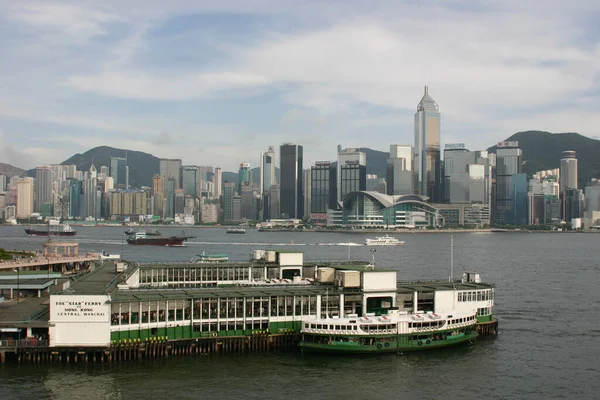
<point x="509" y="160"/>
<point x="119" y="171"/>
<point x="323" y="191"/>
<point x="249" y="201"/>
<point x="75" y="198"/>
<point x="267" y="169"/>
<point x="467" y="175"/>
<point x="210" y="213"/>
<point x="169" y="208"/>
<point x="228" y="194"/>
<point x="291" y="197"/>
<point x="568" y="171"/>
<point x="244" y="176"/>
<point x="427" y="149"/>
<point x="24" y="197"/>
<point x="399" y="175"/>
<point x="171" y="169"/>
<point x="275" y="202"/>
<point x="3" y="182"/>
<point x="218" y="183"/>
<point x="192" y="181"/>
<point x="91" y="201"/>
<point x="43" y="187"/>
<point x="351" y="171"/>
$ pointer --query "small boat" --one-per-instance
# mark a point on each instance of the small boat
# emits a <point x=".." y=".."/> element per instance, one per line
<point x="130" y="231"/>
<point x="154" y="232"/>
<point x="236" y="230"/>
<point x="210" y="258"/>
<point x="384" y="241"/>
<point x="140" y="238"/>
<point x="63" y="230"/>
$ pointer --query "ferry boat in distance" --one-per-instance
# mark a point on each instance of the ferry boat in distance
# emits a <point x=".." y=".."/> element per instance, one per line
<point x="154" y="232"/>
<point x="140" y="238"/>
<point x="210" y="258"/>
<point x="236" y="230"/>
<point x="394" y="332"/>
<point x="63" y="230"/>
<point x="384" y="241"/>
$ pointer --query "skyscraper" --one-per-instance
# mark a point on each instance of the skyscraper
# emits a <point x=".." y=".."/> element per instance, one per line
<point x="399" y="174"/>
<point x="2" y="183"/>
<point x="192" y="181"/>
<point x="228" y="193"/>
<point x="90" y="194"/>
<point x="323" y="189"/>
<point x="43" y="187"/>
<point x="171" y="168"/>
<point x="427" y="148"/>
<point x="267" y="169"/>
<point x="218" y="182"/>
<point x="509" y="160"/>
<point x="351" y="171"/>
<point x="119" y="172"/>
<point x="291" y="196"/>
<point x="568" y="171"/>
<point x="24" y="197"/>
<point x="244" y="176"/>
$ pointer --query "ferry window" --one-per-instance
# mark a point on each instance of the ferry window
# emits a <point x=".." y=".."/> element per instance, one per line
<point x="478" y="296"/>
<point x="459" y="296"/>
<point x="355" y="327"/>
<point x="319" y="326"/>
<point x="337" y="328"/>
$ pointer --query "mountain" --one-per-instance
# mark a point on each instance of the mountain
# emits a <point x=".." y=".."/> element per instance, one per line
<point x="10" y="171"/>
<point x="542" y="151"/>
<point x="142" y="166"/>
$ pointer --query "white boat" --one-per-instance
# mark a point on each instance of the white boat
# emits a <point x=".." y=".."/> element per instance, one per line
<point x="236" y="230"/>
<point x="384" y="241"/>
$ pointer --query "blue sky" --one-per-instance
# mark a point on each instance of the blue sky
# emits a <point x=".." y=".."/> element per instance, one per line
<point x="215" y="83"/>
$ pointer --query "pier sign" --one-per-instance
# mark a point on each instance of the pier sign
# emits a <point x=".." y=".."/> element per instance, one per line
<point x="79" y="308"/>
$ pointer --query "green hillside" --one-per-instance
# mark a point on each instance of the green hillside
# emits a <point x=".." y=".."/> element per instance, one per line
<point x="542" y="151"/>
<point x="142" y="166"/>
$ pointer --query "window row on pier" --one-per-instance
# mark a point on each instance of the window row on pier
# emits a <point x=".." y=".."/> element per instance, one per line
<point x="213" y="309"/>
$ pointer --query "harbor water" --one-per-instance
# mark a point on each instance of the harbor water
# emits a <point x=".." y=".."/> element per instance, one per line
<point x="547" y="303"/>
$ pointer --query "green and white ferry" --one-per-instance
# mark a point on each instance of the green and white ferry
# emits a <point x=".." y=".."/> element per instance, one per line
<point x="393" y="332"/>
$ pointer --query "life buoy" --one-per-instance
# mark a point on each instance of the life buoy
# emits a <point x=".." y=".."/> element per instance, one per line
<point x="419" y="343"/>
<point x="428" y="341"/>
<point x="386" y="344"/>
<point x="214" y="334"/>
<point x="379" y="346"/>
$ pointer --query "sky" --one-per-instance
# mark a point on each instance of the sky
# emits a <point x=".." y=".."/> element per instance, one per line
<point x="216" y="83"/>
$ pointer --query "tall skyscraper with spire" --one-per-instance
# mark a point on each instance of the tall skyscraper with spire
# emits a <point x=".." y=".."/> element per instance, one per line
<point x="427" y="148"/>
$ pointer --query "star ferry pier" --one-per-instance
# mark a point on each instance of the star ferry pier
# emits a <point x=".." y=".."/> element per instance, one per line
<point x="122" y="311"/>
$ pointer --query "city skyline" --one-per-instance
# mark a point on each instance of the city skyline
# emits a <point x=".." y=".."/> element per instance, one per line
<point x="282" y="72"/>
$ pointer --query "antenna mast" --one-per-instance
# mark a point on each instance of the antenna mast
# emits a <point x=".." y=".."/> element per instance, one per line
<point x="451" y="257"/>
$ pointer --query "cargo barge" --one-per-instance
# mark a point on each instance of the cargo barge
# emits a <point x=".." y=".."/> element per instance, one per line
<point x="61" y="230"/>
<point x="131" y="311"/>
<point x="141" y="238"/>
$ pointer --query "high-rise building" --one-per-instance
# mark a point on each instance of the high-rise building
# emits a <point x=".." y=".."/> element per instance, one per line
<point x="24" y="197"/>
<point x="275" y="202"/>
<point x="568" y="171"/>
<point x="249" y="194"/>
<point x="192" y="181"/>
<point x="210" y="213"/>
<point x="119" y="172"/>
<point x="399" y="174"/>
<point x="267" y="169"/>
<point x="75" y="197"/>
<point x="171" y="169"/>
<point x="351" y="171"/>
<point x="3" y="182"/>
<point x="323" y="191"/>
<point x="509" y="160"/>
<point x="169" y="208"/>
<point x="244" y="176"/>
<point x="427" y="148"/>
<point x="307" y="189"/>
<point x="91" y="195"/>
<point x="290" y="169"/>
<point x="228" y="193"/>
<point x="43" y="187"/>
<point x="218" y="182"/>
<point x="467" y="175"/>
